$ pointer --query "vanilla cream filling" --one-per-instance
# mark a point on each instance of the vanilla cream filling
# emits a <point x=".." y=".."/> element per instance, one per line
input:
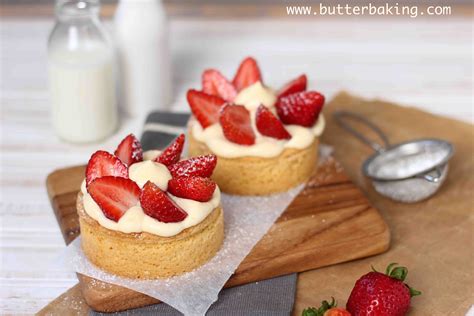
<point x="151" y="154"/>
<point x="254" y="95"/>
<point x="266" y="147"/>
<point x="135" y="220"/>
<point x="147" y="170"/>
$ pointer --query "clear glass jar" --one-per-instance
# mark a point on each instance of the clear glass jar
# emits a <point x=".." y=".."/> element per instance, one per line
<point x="81" y="61"/>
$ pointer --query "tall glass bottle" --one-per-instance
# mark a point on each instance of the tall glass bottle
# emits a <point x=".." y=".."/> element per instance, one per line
<point x="81" y="71"/>
<point x="141" y="34"/>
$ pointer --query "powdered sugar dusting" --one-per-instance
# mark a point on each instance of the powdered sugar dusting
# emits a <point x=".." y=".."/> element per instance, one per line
<point x="325" y="152"/>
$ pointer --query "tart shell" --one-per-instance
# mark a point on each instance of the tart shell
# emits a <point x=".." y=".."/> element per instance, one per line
<point x="147" y="256"/>
<point x="258" y="175"/>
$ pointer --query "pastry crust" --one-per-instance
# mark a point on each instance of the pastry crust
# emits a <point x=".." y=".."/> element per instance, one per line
<point x="258" y="175"/>
<point x="148" y="256"/>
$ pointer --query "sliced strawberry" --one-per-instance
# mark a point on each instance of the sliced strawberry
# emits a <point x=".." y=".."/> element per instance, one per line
<point x="247" y="74"/>
<point x="235" y="121"/>
<point x="157" y="204"/>
<point x="194" y="188"/>
<point x="214" y="83"/>
<point x="269" y="125"/>
<point x="103" y="164"/>
<point x="201" y="166"/>
<point x="294" y="86"/>
<point x="129" y="150"/>
<point x="300" y="108"/>
<point x="172" y="153"/>
<point x="205" y="107"/>
<point x="114" y="195"/>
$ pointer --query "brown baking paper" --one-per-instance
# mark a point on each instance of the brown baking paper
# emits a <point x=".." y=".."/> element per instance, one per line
<point x="433" y="238"/>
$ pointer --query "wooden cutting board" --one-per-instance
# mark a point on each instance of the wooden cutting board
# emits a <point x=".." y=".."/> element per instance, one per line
<point x="329" y="222"/>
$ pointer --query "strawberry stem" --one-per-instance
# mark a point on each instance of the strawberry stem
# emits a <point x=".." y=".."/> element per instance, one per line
<point x="389" y="268"/>
<point x="399" y="273"/>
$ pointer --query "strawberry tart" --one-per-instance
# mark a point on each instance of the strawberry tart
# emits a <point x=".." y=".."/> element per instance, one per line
<point x="266" y="140"/>
<point x="149" y="215"/>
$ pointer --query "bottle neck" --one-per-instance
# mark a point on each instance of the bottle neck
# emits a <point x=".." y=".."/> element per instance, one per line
<point x="140" y="1"/>
<point x="130" y="4"/>
<point x="77" y="10"/>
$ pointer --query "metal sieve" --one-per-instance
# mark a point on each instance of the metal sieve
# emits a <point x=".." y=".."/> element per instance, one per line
<point x="407" y="172"/>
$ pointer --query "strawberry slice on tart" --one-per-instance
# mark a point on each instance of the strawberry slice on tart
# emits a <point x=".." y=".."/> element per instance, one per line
<point x="214" y="83"/>
<point x="172" y="153"/>
<point x="294" y="86"/>
<point x="247" y="74"/>
<point x="114" y="195"/>
<point x="204" y="107"/>
<point x="201" y="166"/>
<point x="103" y="164"/>
<point x="236" y="124"/>
<point x="269" y="125"/>
<point x="194" y="188"/>
<point x="129" y="151"/>
<point x="156" y="203"/>
<point x="301" y="108"/>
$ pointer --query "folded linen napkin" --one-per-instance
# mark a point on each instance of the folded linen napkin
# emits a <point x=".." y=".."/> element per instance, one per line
<point x="273" y="297"/>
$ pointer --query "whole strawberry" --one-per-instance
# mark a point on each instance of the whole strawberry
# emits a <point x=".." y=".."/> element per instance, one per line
<point x="381" y="294"/>
<point x="326" y="309"/>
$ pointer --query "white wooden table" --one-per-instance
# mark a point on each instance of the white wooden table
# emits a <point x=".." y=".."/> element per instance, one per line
<point x="423" y="63"/>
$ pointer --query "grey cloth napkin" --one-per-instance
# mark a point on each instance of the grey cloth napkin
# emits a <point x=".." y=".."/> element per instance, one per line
<point x="270" y="297"/>
<point x="273" y="297"/>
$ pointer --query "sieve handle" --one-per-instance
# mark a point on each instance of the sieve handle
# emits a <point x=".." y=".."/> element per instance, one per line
<point x="432" y="178"/>
<point x="342" y="116"/>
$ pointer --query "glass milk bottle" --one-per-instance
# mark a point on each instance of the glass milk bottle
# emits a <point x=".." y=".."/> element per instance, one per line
<point x="142" y="43"/>
<point x="81" y="73"/>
